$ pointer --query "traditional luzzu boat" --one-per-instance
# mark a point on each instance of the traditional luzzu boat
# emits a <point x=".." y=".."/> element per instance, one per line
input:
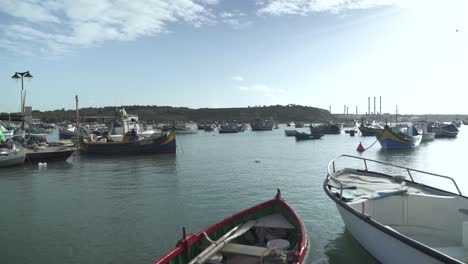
<point x="399" y="137"/>
<point x="270" y="232"/>
<point x="400" y="219"/>
<point x="369" y="131"/>
<point x="163" y="143"/>
<point x="444" y="131"/>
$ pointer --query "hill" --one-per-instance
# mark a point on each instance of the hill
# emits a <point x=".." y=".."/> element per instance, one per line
<point x="167" y="113"/>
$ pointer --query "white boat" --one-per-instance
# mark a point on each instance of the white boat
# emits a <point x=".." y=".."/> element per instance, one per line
<point x="428" y="136"/>
<point x="400" y="219"/>
<point x="11" y="157"/>
<point x="186" y="128"/>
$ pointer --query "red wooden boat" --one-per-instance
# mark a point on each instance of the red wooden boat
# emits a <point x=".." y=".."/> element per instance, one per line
<point x="270" y="232"/>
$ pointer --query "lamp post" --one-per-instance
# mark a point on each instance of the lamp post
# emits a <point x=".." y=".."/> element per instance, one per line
<point x="17" y="76"/>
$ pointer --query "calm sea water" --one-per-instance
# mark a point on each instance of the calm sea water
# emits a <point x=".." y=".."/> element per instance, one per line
<point x="132" y="209"/>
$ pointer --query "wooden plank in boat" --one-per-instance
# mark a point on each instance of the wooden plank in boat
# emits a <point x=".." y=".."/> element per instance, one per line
<point x="234" y="248"/>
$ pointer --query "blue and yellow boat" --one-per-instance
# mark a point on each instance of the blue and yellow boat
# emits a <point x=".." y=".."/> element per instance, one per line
<point x="369" y="131"/>
<point x="399" y="137"/>
<point x="164" y="143"/>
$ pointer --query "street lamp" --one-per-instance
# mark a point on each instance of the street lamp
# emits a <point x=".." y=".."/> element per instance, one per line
<point x="17" y="76"/>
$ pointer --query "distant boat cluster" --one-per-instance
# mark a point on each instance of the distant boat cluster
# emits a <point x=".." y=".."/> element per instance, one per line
<point x="124" y="134"/>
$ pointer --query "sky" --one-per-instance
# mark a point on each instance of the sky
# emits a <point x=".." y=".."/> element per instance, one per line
<point x="236" y="53"/>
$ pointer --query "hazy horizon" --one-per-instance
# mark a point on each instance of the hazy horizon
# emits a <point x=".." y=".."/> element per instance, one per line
<point x="227" y="53"/>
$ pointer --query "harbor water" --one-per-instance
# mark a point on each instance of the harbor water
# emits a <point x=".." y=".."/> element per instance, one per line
<point x="132" y="209"/>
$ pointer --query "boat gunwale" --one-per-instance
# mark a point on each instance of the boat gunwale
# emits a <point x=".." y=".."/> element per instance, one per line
<point x="192" y="238"/>
<point x="393" y="233"/>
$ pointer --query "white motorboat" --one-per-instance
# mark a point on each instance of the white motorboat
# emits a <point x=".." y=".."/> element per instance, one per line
<point x="11" y="157"/>
<point x="426" y="135"/>
<point x="400" y="219"/>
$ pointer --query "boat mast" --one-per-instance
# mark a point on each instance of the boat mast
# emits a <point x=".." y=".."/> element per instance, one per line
<point x="77" y="123"/>
<point x="396" y="115"/>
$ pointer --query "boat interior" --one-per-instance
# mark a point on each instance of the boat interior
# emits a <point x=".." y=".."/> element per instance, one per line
<point x="267" y="235"/>
<point x="433" y="217"/>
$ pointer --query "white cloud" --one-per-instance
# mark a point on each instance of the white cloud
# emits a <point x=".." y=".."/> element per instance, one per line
<point x="236" y="20"/>
<point x="304" y="7"/>
<point x="238" y="78"/>
<point x="209" y="2"/>
<point x="57" y="26"/>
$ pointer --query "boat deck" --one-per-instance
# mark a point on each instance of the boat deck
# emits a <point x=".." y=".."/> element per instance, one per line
<point x="358" y="185"/>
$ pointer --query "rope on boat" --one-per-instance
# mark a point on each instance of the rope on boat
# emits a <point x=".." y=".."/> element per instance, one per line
<point x="362" y="149"/>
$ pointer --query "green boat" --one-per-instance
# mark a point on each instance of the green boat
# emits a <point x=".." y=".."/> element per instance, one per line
<point x="270" y="232"/>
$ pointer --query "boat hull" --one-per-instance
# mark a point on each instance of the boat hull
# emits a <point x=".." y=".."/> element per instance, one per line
<point x="390" y="140"/>
<point x="428" y="136"/>
<point x="12" y="160"/>
<point x="383" y="247"/>
<point x="228" y="131"/>
<point x="162" y="144"/>
<point x="48" y="156"/>
<point x="305" y="136"/>
<point x="290" y="133"/>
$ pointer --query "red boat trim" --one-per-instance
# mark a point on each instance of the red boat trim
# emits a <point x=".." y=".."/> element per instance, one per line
<point x="302" y="239"/>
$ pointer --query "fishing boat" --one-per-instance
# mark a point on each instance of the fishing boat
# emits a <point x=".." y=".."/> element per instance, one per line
<point x="306" y="136"/>
<point x="370" y="130"/>
<point x="262" y="125"/>
<point x="290" y="133"/>
<point x="210" y="127"/>
<point x="457" y="123"/>
<point x="48" y="154"/>
<point x="185" y="128"/>
<point x="67" y="132"/>
<point x="329" y="128"/>
<point x="11" y="157"/>
<point x="230" y="128"/>
<point x="400" y="218"/>
<point x="444" y="131"/>
<point x="426" y="135"/>
<point x="270" y="232"/>
<point x="399" y="137"/>
<point x="131" y="145"/>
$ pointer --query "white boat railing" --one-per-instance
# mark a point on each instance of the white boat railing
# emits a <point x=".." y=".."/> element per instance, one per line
<point x="332" y="170"/>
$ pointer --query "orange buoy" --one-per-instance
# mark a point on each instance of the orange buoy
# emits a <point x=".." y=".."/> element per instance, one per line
<point x="360" y="148"/>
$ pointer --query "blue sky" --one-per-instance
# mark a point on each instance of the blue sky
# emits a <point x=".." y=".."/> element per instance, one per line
<point x="226" y="53"/>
